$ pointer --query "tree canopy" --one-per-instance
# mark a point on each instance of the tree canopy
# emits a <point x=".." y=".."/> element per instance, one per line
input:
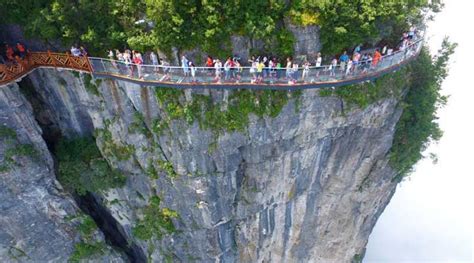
<point x="208" y="24"/>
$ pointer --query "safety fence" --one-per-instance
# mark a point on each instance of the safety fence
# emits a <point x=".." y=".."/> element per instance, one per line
<point x="237" y="77"/>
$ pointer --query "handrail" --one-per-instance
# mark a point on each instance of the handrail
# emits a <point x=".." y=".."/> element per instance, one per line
<point x="176" y="76"/>
<point x="15" y="71"/>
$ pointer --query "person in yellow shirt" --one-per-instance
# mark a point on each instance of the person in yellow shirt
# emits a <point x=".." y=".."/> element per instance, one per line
<point x="260" y="67"/>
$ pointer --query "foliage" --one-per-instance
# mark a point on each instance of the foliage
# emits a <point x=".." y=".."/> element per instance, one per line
<point x="87" y="227"/>
<point x="91" y="85"/>
<point x="418" y="126"/>
<point x="364" y="94"/>
<point x="83" y="250"/>
<point x="9" y="136"/>
<point x="168" y="168"/>
<point x="7" y="133"/>
<point x="27" y="150"/>
<point x="208" y="25"/>
<point x="156" y="221"/>
<point x="112" y="149"/>
<point x="83" y="169"/>
<point x="347" y="23"/>
<point x="138" y="125"/>
<point x="241" y="103"/>
<point x="76" y="21"/>
<point x="285" y="40"/>
<point x="151" y="171"/>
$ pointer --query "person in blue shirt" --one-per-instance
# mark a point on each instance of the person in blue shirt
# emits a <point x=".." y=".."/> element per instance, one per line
<point x="343" y="60"/>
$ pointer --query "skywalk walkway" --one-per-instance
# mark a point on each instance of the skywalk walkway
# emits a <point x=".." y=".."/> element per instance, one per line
<point x="204" y="77"/>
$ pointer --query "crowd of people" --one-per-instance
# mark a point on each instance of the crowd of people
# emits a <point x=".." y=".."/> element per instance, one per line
<point x="264" y="67"/>
<point x="11" y="54"/>
<point x="232" y="69"/>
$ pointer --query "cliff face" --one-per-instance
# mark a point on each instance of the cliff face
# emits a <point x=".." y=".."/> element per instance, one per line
<point x="38" y="221"/>
<point x="306" y="185"/>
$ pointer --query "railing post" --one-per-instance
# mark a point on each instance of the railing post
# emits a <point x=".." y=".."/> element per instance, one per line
<point x="89" y="64"/>
<point x="51" y="57"/>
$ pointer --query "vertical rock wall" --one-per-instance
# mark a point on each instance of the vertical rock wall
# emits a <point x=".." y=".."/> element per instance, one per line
<point x="38" y="221"/>
<point x="307" y="185"/>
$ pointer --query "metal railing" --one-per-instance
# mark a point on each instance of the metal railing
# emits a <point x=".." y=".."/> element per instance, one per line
<point x="211" y="76"/>
<point x="176" y="76"/>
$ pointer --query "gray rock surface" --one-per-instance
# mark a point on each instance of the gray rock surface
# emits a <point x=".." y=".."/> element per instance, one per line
<point x="307" y="41"/>
<point x="306" y="186"/>
<point x="37" y="221"/>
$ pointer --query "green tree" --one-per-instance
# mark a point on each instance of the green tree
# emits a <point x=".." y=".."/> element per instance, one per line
<point x="418" y="125"/>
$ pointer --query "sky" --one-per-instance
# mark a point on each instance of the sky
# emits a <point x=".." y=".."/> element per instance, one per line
<point x="430" y="218"/>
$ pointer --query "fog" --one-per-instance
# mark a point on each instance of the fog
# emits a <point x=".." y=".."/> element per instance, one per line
<point x="430" y="218"/>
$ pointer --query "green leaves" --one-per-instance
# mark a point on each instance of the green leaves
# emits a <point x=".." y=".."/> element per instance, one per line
<point x="83" y="169"/>
<point x="418" y="125"/>
<point x="186" y="24"/>
<point x="156" y="221"/>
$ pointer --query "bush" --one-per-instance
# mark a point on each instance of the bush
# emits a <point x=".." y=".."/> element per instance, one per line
<point x="418" y="126"/>
<point x="241" y="103"/>
<point x="83" y="169"/>
<point x="156" y="221"/>
<point x="84" y="250"/>
<point x="87" y="227"/>
<point x="7" y="133"/>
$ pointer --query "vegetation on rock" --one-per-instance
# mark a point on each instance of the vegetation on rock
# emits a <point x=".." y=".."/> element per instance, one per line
<point x="84" y="250"/>
<point x="82" y="168"/>
<point x="87" y="247"/>
<point x="12" y="149"/>
<point x="212" y="116"/>
<point x="156" y="221"/>
<point x="418" y="125"/>
<point x="110" y="148"/>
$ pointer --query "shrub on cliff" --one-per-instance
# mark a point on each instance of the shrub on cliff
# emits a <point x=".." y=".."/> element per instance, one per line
<point x="83" y="169"/>
<point x="418" y="125"/>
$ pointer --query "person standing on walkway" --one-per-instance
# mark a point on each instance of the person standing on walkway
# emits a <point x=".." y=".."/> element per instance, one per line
<point x="253" y="71"/>
<point x="10" y="54"/>
<point x="349" y="67"/>
<point x="332" y="67"/>
<point x="127" y="58"/>
<point x="238" y="71"/>
<point x="110" y="55"/>
<point x="289" y="68"/>
<point x="218" y="68"/>
<point x="21" y="50"/>
<point x="376" y="58"/>
<point x="193" y="71"/>
<point x="138" y="61"/>
<point x="154" y="60"/>
<point x="319" y="61"/>
<point x="75" y="51"/>
<point x="185" y="65"/>
<point x="227" y="66"/>
<point x="83" y="51"/>
<point x="343" y="59"/>
<point x="260" y="67"/>
<point x="305" y="70"/>
<point x="355" y="61"/>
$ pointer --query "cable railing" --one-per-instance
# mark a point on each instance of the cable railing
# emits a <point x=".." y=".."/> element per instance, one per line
<point x="235" y="77"/>
<point x="326" y="75"/>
